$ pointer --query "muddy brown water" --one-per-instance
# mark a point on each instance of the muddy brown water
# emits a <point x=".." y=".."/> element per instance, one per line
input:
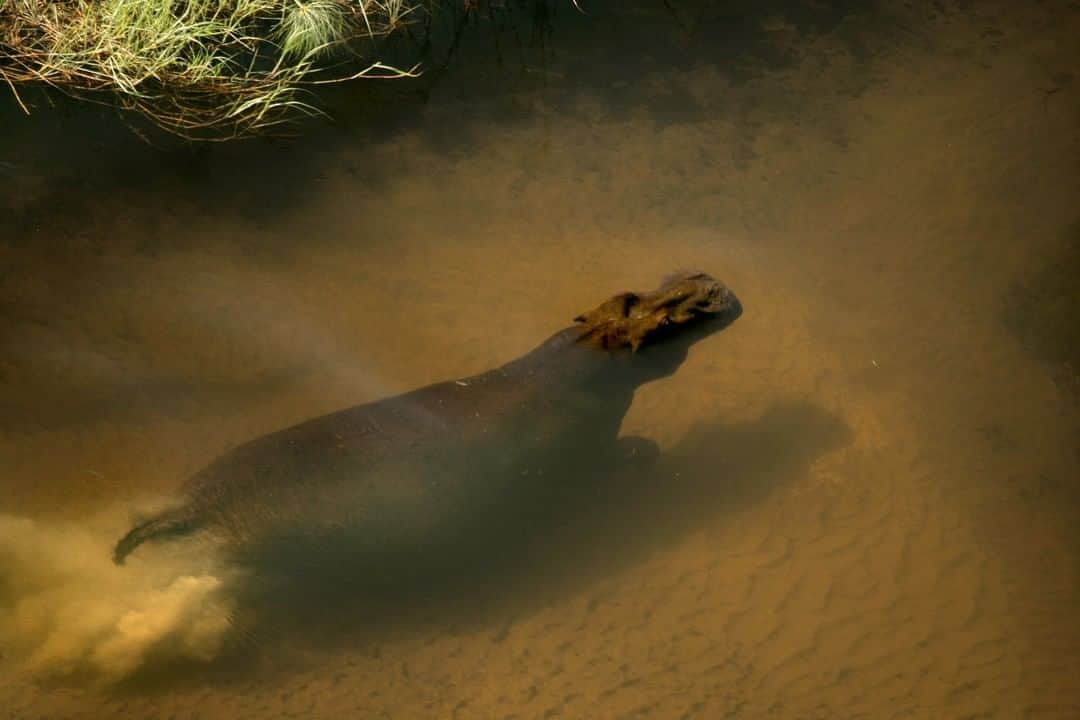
<point x="866" y="501"/>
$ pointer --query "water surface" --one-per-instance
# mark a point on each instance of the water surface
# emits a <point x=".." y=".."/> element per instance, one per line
<point x="866" y="501"/>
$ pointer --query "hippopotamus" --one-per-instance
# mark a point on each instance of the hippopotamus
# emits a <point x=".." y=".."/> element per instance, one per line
<point x="420" y="469"/>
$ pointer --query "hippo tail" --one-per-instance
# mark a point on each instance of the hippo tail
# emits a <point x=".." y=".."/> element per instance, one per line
<point x="170" y="523"/>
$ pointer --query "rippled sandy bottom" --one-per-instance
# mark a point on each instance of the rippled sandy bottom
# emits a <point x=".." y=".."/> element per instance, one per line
<point x="867" y="505"/>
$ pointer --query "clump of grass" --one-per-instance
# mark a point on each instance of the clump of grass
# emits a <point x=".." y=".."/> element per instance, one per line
<point x="195" y="67"/>
<point x="311" y="26"/>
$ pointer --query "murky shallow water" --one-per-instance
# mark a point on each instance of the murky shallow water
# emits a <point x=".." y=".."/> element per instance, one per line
<point x="866" y="505"/>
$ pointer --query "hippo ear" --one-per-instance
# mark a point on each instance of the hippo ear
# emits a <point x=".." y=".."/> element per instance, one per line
<point x="628" y="300"/>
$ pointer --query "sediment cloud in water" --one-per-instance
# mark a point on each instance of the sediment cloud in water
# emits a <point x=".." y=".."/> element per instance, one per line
<point x="67" y="611"/>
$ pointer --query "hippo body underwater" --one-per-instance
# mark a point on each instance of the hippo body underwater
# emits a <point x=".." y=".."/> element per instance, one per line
<point x="425" y="469"/>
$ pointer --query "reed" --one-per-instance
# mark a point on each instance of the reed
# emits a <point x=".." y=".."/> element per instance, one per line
<point x="197" y="68"/>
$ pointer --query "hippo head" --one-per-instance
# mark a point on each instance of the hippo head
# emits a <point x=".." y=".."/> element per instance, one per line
<point x="656" y="329"/>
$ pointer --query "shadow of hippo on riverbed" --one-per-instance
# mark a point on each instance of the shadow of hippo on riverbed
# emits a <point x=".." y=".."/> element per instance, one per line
<point x="555" y="546"/>
<point x="515" y="565"/>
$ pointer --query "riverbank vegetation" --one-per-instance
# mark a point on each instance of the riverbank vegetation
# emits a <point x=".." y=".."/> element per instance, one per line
<point x="198" y="68"/>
